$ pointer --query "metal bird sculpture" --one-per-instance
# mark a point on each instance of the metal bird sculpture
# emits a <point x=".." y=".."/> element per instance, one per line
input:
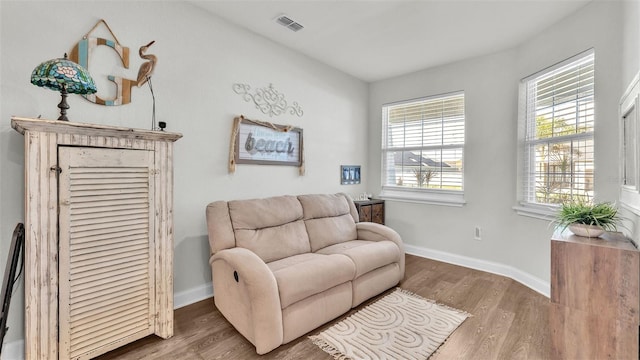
<point x="146" y="69"/>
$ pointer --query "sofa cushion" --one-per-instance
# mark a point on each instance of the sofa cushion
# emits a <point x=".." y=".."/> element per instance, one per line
<point x="374" y="282"/>
<point x="219" y="227"/>
<point x="366" y="255"/>
<point x="304" y="275"/>
<point x="261" y="213"/>
<point x="272" y="228"/>
<point x="307" y="314"/>
<point x="328" y="219"/>
<point x="330" y="230"/>
<point x="324" y="205"/>
<point x="276" y="242"/>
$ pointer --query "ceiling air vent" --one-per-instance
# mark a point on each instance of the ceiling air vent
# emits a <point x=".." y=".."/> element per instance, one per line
<point x="286" y="21"/>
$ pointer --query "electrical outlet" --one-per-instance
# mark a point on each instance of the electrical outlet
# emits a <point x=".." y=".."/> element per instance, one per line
<point x="477" y="234"/>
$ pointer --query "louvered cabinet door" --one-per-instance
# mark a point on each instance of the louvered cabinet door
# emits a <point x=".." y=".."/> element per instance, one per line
<point x="106" y="270"/>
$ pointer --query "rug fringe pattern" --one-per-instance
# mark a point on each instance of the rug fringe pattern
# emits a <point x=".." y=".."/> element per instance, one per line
<point x="328" y="348"/>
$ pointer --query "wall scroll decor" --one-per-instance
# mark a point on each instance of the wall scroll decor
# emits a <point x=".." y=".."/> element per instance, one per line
<point x="349" y="174"/>
<point x="265" y="143"/>
<point x="268" y="100"/>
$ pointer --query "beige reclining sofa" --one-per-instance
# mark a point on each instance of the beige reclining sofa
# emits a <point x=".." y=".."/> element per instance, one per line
<point x="284" y="265"/>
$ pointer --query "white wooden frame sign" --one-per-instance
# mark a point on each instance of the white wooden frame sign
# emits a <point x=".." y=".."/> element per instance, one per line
<point x="268" y="144"/>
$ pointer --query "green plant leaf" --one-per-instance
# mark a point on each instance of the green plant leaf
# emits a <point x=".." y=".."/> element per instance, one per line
<point x="602" y="214"/>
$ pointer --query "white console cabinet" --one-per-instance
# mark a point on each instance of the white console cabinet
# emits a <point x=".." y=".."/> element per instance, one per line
<point x="99" y="237"/>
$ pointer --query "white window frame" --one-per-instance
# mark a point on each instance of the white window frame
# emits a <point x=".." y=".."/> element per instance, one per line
<point x="524" y="207"/>
<point x="629" y="111"/>
<point x="422" y="195"/>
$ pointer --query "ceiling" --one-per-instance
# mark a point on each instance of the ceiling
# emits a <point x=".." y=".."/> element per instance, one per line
<point x="374" y="40"/>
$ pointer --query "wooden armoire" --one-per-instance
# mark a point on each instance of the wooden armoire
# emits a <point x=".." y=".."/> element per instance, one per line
<point x="98" y="237"/>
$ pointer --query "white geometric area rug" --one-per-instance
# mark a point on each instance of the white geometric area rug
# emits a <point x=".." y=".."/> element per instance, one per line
<point x="401" y="325"/>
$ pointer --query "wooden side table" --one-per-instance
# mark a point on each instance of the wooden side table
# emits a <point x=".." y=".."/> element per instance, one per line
<point x="594" y="305"/>
<point x="370" y="210"/>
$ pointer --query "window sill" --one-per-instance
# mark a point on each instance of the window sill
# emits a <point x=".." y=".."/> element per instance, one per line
<point x="439" y="197"/>
<point x="630" y="199"/>
<point x="543" y="212"/>
<point x="633" y="208"/>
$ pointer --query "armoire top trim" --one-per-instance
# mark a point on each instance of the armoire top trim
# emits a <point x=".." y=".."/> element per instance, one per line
<point x="22" y="124"/>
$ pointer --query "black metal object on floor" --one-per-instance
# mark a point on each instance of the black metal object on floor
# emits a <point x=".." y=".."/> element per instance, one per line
<point x="16" y="254"/>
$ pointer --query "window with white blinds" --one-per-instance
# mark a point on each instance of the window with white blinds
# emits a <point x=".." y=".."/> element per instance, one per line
<point x="559" y="120"/>
<point x="423" y="145"/>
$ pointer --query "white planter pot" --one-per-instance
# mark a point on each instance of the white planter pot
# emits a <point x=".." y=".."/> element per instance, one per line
<point x="590" y="231"/>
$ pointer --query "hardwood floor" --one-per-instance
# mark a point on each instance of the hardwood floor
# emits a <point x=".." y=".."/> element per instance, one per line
<point x="510" y="321"/>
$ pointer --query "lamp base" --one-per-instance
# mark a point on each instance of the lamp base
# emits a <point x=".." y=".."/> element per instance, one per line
<point x="63" y="105"/>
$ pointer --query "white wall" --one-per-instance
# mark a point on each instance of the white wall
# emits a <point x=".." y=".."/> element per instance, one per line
<point x="200" y="57"/>
<point x="511" y="244"/>
<point x="631" y="41"/>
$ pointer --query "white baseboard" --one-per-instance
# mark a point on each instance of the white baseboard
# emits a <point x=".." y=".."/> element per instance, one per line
<point x="13" y="350"/>
<point x="191" y="296"/>
<point x="518" y="275"/>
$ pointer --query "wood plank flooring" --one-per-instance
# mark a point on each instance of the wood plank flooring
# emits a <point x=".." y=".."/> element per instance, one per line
<point x="510" y="321"/>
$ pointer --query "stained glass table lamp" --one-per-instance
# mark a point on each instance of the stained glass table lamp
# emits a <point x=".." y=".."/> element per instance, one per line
<point x="65" y="76"/>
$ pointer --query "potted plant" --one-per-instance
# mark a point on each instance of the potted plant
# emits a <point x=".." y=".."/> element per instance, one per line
<point x="588" y="220"/>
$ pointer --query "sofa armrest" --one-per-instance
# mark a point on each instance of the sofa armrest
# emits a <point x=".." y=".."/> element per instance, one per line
<point x="255" y="280"/>
<point x="377" y="232"/>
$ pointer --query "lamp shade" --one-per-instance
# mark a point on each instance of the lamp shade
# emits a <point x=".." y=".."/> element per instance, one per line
<point x="60" y="73"/>
<point x="65" y="76"/>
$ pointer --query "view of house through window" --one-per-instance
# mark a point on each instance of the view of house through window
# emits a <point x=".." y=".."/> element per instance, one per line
<point x="560" y="117"/>
<point x="423" y="142"/>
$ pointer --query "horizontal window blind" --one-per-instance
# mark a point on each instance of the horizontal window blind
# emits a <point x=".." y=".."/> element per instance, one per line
<point x="423" y="143"/>
<point x="560" y="115"/>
